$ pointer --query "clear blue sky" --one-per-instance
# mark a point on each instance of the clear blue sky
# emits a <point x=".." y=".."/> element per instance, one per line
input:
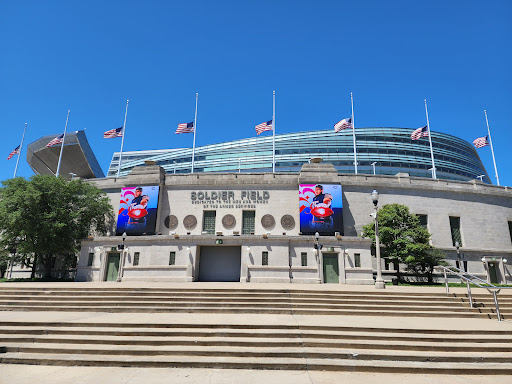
<point x="91" y="56"/>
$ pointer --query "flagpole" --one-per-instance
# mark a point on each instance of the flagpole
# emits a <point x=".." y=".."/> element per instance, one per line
<point x="492" y="150"/>
<point x="273" y="131"/>
<point x="62" y="146"/>
<point x="434" y="175"/>
<point x="353" y="133"/>
<point x="19" y="152"/>
<point x="122" y="139"/>
<point x="195" y="129"/>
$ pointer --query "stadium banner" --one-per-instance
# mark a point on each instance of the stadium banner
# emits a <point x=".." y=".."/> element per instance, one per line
<point x="137" y="210"/>
<point x="321" y="209"/>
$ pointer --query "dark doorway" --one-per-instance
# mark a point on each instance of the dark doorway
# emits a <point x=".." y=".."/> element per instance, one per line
<point x="220" y="263"/>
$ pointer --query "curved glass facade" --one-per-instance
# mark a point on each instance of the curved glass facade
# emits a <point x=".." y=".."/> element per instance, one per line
<point x="391" y="148"/>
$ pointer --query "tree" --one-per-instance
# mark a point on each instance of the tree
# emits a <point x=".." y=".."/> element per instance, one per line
<point x="47" y="216"/>
<point x="403" y="238"/>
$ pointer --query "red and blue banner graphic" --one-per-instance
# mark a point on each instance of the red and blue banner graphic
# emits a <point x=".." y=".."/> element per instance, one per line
<point x="321" y="209"/>
<point x="137" y="210"/>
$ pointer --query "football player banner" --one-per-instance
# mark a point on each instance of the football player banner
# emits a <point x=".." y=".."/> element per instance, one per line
<point x="137" y="210"/>
<point x="321" y="209"/>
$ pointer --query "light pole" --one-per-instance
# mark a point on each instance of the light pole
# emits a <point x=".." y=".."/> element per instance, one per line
<point x="373" y="165"/>
<point x="457" y="246"/>
<point x="318" y="247"/>
<point x="121" y="261"/>
<point x="379" y="281"/>
<point x="481" y="177"/>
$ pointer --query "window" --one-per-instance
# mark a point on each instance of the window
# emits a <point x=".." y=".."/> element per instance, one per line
<point x="510" y="229"/>
<point x="304" y="259"/>
<point x="455" y="229"/>
<point x="357" y="260"/>
<point x="136" y="256"/>
<point x="264" y="258"/>
<point x="423" y="220"/>
<point x="90" y="261"/>
<point x="248" y="220"/>
<point x="209" y="222"/>
<point x="172" y="258"/>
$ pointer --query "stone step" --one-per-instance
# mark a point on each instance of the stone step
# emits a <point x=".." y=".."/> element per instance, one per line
<point x="362" y="311"/>
<point x="263" y="342"/>
<point x="280" y="352"/>
<point x="237" y="362"/>
<point x="68" y="334"/>
<point x="10" y="331"/>
<point x="76" y="325"/>
<point x="339" y="299"/>
<point x="242" y="304"/>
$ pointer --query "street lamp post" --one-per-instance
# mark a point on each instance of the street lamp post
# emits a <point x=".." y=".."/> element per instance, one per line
<point x="379" y="281"/>
<point x="121" y="261"/>
<point x="318" y="247"/>
<point x="457" y="246"/>
<point x="373" y="165"/>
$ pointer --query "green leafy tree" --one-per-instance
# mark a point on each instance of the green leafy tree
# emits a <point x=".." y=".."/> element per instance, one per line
<point x="47" y="216"/>
<point x="403" y="238"/>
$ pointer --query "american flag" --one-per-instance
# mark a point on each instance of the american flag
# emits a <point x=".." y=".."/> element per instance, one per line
<point x="15" y="152"/>
<point x="266" y="126"/>
<point x="185" y="128"/>
<point x="481" y="142"/>
<point x="113" y="133"/>
<point x="419" y="133"/>
<point x="343" y="124"/>
<point x="58" y="140"/>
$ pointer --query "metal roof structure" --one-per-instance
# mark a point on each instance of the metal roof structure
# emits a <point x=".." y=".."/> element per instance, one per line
<point x="77" y="157"/>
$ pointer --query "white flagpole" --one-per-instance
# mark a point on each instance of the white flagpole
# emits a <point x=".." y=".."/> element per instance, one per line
<point x="19" y="152"/>
<point x="62" y="146"/>
<point x="273" y="131"/>
<point x="354" y="133"/>
<point x="195" y="129"/>
<point x="492" y="150"/>
<point x="122" y="139"/>
<point x="434" y="175"/>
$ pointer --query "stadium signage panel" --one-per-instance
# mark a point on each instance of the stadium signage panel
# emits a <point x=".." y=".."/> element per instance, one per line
<point x="321" y="209"/>
<point x="137" y="210"/>
<point x="231" y="196"/>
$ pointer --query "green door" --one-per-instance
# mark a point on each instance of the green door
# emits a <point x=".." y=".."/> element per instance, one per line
<point x="331" y="271"/>
<point x="493" y="275"/>
<point x="113" y="266"/>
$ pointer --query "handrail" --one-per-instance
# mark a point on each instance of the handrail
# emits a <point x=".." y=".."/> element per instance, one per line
<point x="469" y="278"/>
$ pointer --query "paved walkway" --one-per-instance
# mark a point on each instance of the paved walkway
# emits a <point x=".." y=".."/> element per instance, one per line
<point x="30" y="374"/>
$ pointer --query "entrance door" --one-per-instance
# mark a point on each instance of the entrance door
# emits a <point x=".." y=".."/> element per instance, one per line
<point x="112" y="266"/>
<point x="220" y="263"/>
<point x="493" y="273"/>
<point x="331" y="270"/>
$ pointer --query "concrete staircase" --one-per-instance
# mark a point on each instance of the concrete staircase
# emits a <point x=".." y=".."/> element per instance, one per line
<point x="244" y="300"/>
<point x="245" y="328"/>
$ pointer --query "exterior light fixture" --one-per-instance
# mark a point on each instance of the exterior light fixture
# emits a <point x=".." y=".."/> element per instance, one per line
<point x="379" y="281"/>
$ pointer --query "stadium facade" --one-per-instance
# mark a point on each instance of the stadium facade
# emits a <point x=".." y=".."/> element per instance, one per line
<point x="260" y="227"/>
<point x="391" y="149"/>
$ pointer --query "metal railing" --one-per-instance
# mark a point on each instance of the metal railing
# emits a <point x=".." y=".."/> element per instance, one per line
<point x="471" y="279"/>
